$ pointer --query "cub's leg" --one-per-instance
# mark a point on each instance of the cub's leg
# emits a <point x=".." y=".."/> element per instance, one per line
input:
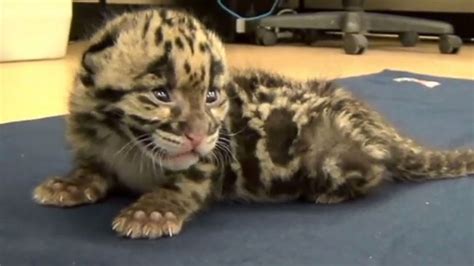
<point x="82" y="186"/>
<point x="163" y="211"/>
<point x="345" y="175"/>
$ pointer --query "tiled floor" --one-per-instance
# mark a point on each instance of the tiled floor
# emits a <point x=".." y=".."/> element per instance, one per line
<point x="38" y="89"/>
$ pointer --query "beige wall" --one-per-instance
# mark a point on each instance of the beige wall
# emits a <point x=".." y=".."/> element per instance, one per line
<point x="466" y="6"/>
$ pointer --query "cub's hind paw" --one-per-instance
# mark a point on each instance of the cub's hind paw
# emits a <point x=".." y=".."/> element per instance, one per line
<point x="137" y="223"/>
<point x="329" y="199"/>
<point x="67" y="193"/>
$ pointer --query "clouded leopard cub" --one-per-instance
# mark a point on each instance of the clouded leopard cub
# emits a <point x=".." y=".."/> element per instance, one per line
<point x="155" y="110"/>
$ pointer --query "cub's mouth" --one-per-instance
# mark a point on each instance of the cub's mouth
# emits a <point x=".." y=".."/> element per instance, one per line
<point x="179" y="159"/>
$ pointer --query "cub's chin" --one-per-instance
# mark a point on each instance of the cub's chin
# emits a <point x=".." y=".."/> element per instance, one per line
<point x="173" y="162"/>
<point x="180" y="161"/>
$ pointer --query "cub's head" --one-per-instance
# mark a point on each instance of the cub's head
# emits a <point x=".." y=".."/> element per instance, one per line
<point x="155" y="78"/>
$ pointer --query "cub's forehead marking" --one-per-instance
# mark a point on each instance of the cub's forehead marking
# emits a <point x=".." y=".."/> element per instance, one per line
<point x="154" y="48"/>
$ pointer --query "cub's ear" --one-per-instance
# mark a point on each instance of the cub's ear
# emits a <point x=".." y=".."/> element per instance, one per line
<point x="92" y="58"/>
<point x="88" y="63"/>
<point x="98" y="44"/>
<point x="86" y="74"/>
<point x="90" y="66"/>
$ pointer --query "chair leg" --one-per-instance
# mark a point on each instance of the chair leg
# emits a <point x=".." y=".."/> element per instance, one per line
<point x="397" y="24"/>
<point x="408" y="29"/>
<point x="320" y="21"/>
<point x="354" y="25"/>
<point x="265" y="35"/>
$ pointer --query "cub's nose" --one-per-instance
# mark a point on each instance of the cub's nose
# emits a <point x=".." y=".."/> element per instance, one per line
<point x="195" y="138"/>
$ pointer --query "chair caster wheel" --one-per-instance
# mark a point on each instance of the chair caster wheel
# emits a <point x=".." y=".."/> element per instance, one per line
<point x="355" y="43"/>
<point x="409" y="38"/>
<point x="449" y="44"/>
<point x="266" y="37"/>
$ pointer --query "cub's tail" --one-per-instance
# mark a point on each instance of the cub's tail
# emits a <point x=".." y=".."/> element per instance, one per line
<point x="419" y="164"/>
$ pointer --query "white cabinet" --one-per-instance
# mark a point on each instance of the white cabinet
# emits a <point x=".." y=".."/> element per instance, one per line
<point x="34" y="29"/>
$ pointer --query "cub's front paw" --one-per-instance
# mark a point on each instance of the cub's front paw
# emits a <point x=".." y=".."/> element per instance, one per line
<point x="67" y="193"/>
<point x="136" y="222"/>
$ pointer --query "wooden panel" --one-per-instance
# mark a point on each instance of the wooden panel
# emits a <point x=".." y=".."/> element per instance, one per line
<point x="138" y="2"/>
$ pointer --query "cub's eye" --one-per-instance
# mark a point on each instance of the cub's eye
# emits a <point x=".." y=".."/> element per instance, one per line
<point x="162" y="94"/>
<point x="212" y="96"/>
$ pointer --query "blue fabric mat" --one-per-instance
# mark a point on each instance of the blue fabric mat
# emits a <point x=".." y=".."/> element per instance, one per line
<point x="401" y="224"/>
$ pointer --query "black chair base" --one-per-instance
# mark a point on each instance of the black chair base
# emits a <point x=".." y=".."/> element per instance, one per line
<point x="354" y="23"/>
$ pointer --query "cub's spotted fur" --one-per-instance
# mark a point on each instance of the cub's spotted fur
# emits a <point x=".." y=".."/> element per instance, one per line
<point x="155" y="110"/>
